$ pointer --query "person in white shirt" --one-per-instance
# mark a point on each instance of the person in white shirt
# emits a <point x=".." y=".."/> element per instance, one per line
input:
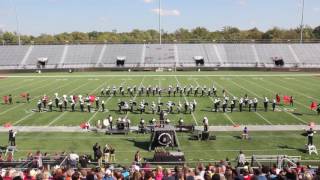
<point x="205" y="123"/>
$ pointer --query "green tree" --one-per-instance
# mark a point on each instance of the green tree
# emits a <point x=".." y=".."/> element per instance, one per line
<point x="316" y="32"/>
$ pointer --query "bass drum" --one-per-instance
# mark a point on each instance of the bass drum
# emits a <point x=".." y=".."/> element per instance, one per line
<point x="165" y="139"/>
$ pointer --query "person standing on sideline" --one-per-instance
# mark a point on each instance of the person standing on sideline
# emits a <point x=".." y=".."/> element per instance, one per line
<point x="205" y="124"/>
<point x="137" y="158"/>
<point x="291" y="101"/>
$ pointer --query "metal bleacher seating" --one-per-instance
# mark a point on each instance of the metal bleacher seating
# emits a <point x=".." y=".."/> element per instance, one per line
<point x="165" y="55"/>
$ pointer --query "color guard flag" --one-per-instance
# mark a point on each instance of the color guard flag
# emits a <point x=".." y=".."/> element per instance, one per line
<point x="278" y="99"/>
<point x="312" y="124"/>
<point x="75" y="98"/>
<point x="92" y="98"/>
<point x="6" y="99"/>
<point x="23" y="95"/>
<point x="7" y="125"/>
<point x="83" y="125"/>
<point x="313" y="106"/>
<point x="286" y="99"/>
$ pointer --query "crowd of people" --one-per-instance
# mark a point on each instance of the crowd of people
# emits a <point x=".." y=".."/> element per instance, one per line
<point x="217" y="171"/>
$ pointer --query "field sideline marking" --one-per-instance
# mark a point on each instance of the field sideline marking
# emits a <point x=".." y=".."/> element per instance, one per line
<point x="200" y="150"/>
<point x="301" y="120"/>
<point x="165" y="75"/>
<point x="61" y="115"/>
<point x="24" y="118"/>
<point x="185" y="98"/>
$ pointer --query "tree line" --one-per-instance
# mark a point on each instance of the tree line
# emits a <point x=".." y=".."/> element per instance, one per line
<point x="196" y="35"/>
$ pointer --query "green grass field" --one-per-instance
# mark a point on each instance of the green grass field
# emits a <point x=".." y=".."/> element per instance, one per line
<point x="303" y="87"/>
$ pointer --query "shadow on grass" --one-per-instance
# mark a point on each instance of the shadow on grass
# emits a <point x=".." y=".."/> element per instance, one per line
<point x="140" y="144"/>
<point x="292" y="148"/>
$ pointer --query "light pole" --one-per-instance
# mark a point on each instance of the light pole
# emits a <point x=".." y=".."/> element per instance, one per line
<point x="160" y="33"/>
<point x="302" y="23"/>
<point x="17" y="21"/>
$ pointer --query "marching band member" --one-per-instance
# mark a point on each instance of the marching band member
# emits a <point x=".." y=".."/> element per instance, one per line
<point x="73" y="105"/>
<point x="153" y="107"/>
<point x="102" y="92"/>
<point x="65" y="101"/>
<point x="274" y="102"/>
<point x="60" y="106"/>
<point x="250" y="102"/>
<point x="232" y="105"/>
<point x="97" y="99"/>
<point x="255" y="104"/>
<point x="179" y="107"/>
<point x="110" y="121"/>
<point x="56" y="99"/>
<point x="224" y="105"/>
<point x="89" y="107"/>
<point x="50" y="106"/>
<point x="102" y="105"/>
<point x="39" y="104"/>
<point x="240" y="104"/>
<point x="81" y="105"/>
<point x="265" y="104"/>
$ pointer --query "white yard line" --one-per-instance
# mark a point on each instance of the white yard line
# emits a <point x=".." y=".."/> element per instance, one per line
<point x="227" y="116"/>
<point x="295" y="91"/>
<point x="16" y="106"/>
<point x="24" y="118"/>
<point x="163" y="75"/>
<point x="135" y="96"/>
<point x="109" y="98"/>
<point x="252" y="82"/>
<point x="301" y="120"/>
<point x="61" y="115"/>
<point x="29" y="115"/>
<point x="185" y="98"/>
<point x="57" y="118"/>
<point x="257" y="113"/>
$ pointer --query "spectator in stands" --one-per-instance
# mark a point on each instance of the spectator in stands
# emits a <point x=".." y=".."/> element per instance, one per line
<point x="108" y="175"/>
<point x="136" y="176"/>
<point x="159" y="173"/>
<point x="75" y="176"/>
<point x="167" y="175"/>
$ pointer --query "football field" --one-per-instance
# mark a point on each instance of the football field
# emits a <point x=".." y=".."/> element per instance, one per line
<point x="304" y="87"/>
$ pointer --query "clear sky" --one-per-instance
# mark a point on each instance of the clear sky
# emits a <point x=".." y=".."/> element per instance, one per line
<point x="56" y="16"/>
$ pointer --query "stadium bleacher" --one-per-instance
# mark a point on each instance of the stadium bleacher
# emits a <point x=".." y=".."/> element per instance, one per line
<point x="165" y="55"/>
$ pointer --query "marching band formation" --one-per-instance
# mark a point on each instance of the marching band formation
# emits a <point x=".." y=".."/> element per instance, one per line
<point x="224" y="103"/>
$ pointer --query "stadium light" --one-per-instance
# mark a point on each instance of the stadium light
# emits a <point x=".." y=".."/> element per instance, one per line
<point x="17" y="21"/>
<point x="160" y="34"/>
<point x="302" y="23"/>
